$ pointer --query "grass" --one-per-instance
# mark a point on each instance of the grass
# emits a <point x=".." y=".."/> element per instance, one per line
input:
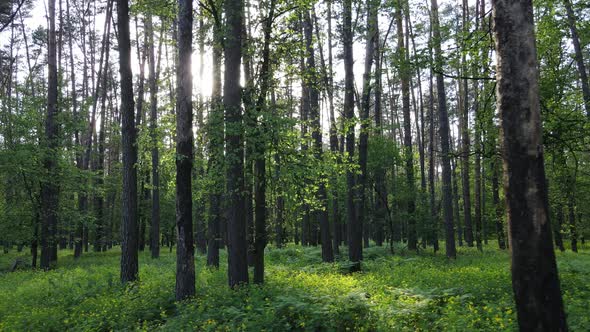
<point x="404" y="292"/>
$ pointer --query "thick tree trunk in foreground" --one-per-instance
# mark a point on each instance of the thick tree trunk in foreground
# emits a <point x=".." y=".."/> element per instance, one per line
<point x="129" y="225"/>
<point x="534" y="272"/>
<point x="185" y="250"/>
<point x="236" y="228"/>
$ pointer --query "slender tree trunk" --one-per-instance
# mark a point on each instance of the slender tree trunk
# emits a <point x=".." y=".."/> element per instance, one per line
<point x="355" y="227"/>
<point x="444" y="137"/>
<point x="380" y="206"/>
<point x="316" y="133"/>
<point x="408" y="153"/>
<point x="499" y="215"/>
<point x="50" y="186"/>
<point x="534" y="272"/>
<point x="362" y="214"/>
<point x="557" y="229"/>
<point x="431" y="164"/>
<point x="465" y="141"/>
<point x="155" y="220"/>
<point x="578" y="55"/>
<point x="572" y="223"/>
<point x="260" y="237"/>
<point x="215" y="163"/>
<point x="129" y="224"/>
<point x="237" y="242"/>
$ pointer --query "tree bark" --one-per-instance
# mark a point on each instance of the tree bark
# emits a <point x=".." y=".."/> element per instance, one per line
<point x="534" y="271"/>
<point x="237" y="242"/>
<point x="50" y="185"/>
<point x="451" y="251"/>
<point x="155" y="220"/>
<point x="465" y="141"/>
<point x="405" y="74"/>
<point x="215" y="163"/>
<point x="129" y="225"/>
<point x="355" y="227"/>
<point x="316" y="133"/>
<point x="185" y="250"/>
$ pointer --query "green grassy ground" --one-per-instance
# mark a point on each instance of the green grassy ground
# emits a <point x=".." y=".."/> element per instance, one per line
<point x="404" y="292"/>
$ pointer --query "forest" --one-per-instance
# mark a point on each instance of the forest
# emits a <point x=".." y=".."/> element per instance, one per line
<point x="294" y="165"/>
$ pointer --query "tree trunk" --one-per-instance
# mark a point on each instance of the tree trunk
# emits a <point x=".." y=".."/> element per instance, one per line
<point x="129" y="225"/>
<point x="405" y="73"/>
<point x="465" y="142"/>
<point x="431" y="164"/>
<point x="451" y="251"/>
<point x="215" y="132"/>
<point x="572" y="223"/>
<point x="316" y="133"/>
<point x="355" y="227"/>
<point x="50" y="186"/>
<point x="260" y="237"/>
<point x="185" y="251"/>
<point x="578" y="55"/>
<point x="155" y="220"/>
<point x="497" y="206"/>
<point x="534" y="272"/>
<point x="237" y="242"/>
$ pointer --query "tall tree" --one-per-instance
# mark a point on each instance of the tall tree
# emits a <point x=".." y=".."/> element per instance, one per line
<point x="443" y="129"/>
<point x="464" y="128"/>
<point x="405" y="76"/>
<point x="355" y="228"/>
<point x="236" y="229"/>
<point x="129" y="225"/>
<point x="50" y="185"/>
<point x="155" y="222"/>
<point x="185" y="250"/>
<point x="215" y="134"/>
<point x="372" y="27"/>
<point x="316" y="133"/>
<point x="578" y="55"/>
<point x="534" y="272"/>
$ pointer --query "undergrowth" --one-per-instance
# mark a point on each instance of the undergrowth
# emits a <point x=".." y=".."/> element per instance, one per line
<point x="403" y="292"/>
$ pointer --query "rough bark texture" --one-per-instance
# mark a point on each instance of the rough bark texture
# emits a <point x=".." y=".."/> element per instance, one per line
<point x="236" y="230"/>
<point x="451" y="251"/>
<point x="534" y="272"/>
<point x="50" y="186"/>
<point x="260" y="237"/>
<point x="185" y="250"/>
<point x="129" y="224"/>
<point x="355" y="228"/>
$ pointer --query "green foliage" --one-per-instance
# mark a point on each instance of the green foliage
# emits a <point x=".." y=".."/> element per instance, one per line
<point x="393" y="293"/>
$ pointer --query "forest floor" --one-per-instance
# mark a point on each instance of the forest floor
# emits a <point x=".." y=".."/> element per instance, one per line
<point x="403" y="292"/>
